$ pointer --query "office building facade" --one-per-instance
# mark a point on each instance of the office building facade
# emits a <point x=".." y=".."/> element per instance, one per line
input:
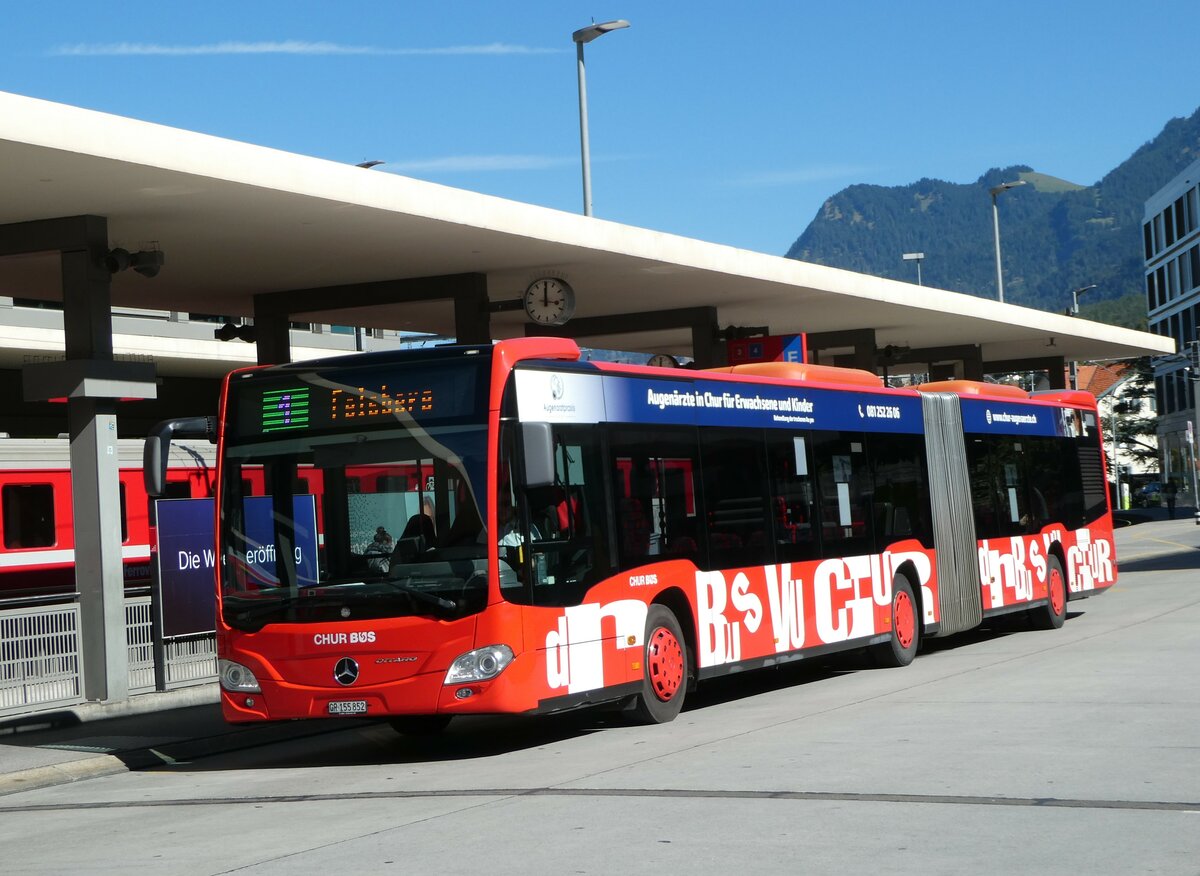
<point x="1171" y="237"/>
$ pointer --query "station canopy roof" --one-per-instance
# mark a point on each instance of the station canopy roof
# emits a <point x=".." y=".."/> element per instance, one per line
<point x="235" y="220"/>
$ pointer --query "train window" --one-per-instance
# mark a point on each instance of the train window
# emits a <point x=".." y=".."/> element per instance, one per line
<point x="124" y="517"/>
<point x="28" y="515"/>
<point x="178" y="490"/>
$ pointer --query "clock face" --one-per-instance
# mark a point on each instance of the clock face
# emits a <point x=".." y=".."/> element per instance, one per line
<point x="549" y="301"/>
<point x="662" y="360"/>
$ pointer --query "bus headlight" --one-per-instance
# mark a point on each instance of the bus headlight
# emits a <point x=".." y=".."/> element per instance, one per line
<point x="482" y="664"/>
<point x="236" y="678"/>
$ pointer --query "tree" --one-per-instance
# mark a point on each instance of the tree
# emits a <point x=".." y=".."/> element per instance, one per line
<point x="1131" y="407"/>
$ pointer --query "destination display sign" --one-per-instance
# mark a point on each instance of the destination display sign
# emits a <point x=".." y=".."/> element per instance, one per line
<point x="431" y="392"/>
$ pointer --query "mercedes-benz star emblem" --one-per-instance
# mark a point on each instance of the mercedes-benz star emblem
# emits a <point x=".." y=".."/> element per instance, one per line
<point x="346" y="671"/>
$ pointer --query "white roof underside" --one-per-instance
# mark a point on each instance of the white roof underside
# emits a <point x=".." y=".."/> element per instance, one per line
<point x="235" y="220"/>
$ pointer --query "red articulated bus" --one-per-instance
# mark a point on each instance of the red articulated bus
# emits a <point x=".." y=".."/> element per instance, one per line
<point x="37" y="535"/>
<point x="609" y="534"/>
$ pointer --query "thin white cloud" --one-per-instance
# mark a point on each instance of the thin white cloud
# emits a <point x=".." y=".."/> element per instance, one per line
<point x="800" y="176"/>
<point x="477" y="163"/>
<point x="286" y="47"/>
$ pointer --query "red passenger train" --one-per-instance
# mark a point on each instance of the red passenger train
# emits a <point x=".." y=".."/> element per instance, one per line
<point x="37" y="533"/>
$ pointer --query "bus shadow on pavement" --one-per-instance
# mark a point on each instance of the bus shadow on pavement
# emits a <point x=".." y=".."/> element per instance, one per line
<point x="472" y="737"/>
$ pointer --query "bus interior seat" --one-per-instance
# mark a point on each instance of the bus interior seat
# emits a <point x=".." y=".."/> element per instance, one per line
<point x="418" y="536"/>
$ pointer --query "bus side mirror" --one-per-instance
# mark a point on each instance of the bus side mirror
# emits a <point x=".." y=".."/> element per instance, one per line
<point x="539" y="455"/>
<point x="158" y="448"/>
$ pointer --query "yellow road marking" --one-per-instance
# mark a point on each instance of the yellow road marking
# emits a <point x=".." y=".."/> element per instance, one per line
<point x="1175" y="544"/>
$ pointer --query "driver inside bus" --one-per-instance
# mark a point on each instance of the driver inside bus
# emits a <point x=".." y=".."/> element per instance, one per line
<point x="510" y="533"/>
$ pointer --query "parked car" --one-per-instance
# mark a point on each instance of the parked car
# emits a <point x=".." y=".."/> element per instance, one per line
<point x="1149" y="494"/>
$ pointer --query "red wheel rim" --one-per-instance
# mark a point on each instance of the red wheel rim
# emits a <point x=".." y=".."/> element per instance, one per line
<point x="904" y="618"/>
<point x="664" y="663"/>
<point x="1058" y="592"/>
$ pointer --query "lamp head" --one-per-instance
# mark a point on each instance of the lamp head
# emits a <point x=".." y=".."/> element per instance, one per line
<point x="1005" y="186"/>
<point x="146" y="262"/>
<point x="589" y="33"/>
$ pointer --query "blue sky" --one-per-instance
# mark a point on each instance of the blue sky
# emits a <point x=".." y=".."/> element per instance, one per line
<point x="725" y="122"/>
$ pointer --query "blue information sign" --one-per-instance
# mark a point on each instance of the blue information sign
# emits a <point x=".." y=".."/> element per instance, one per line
<point x="186" y="566"/>
<point x="187" y="561"/>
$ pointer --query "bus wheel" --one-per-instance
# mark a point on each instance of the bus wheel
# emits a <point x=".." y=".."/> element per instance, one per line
<point x="664" y="669"/>
<point x="1051" y="615"/>
<point x="419" y="725"/>
<point x="906" y="628"/>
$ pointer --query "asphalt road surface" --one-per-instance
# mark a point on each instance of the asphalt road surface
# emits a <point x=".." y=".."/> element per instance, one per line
<point x="1074" y="751"/>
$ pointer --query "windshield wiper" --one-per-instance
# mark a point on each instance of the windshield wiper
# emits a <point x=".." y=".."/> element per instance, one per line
<point x="405" y="585"/>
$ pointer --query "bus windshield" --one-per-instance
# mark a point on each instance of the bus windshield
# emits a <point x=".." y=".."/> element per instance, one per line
<point x="350" y="499"/>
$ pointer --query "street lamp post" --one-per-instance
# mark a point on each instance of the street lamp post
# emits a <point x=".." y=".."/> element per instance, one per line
<point x="581" y="36"/>
<point x="995" y="191"/>
<point x="1116" y="465"/>
<point x="1075" y="293"/>
<point x="915" y="257"/>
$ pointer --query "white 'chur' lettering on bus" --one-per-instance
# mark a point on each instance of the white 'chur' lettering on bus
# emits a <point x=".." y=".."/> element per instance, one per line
<point x="844" y="594"/>
<point x="1089" y="563"/>
<point x="1009" y="567"/>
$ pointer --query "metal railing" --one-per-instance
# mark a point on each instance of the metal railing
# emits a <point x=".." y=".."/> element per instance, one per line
<point x="41" y="664"/>
<point x="41" y="659"/>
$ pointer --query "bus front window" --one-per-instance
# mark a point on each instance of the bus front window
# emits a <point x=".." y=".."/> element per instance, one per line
<point x="352" y="491"/>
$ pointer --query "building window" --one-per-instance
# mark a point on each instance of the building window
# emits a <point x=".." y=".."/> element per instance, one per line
<point x="1148" y="241"/>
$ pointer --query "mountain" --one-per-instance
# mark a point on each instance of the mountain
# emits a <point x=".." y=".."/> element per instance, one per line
<point x="1055" y="235"/>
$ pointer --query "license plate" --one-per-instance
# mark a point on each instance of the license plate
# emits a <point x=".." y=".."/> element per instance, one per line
<point x="348" y="707"/>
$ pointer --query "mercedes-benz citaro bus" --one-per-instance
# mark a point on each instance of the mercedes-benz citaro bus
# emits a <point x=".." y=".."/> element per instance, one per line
<point x="508" y="529"/>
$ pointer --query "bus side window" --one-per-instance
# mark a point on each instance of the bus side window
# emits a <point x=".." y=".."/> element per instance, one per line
<point x="792" y="499"/>
<point x="1001" y="486"/>
<point x="735" y="503"/>
<point x="654" y="479"/>
<point x="567" y="546"/>
<point x="901" y="495"/>
<point x="844" y="487"/>
<point x="983" y="498"/>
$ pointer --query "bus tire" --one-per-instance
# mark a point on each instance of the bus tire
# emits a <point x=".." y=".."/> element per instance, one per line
<point x="1052" y="615"/>
<point x="906" y="628"/>
<point x="419" y="725"/>
<point x="664" y="669"/>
